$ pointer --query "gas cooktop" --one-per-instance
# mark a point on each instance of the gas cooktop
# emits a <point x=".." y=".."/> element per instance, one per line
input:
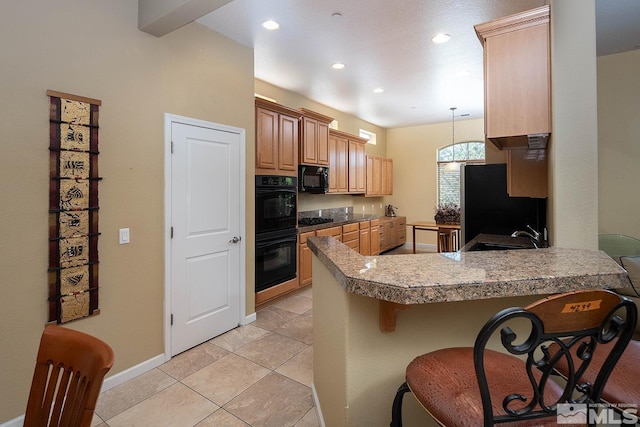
<point x="314" y="221"/>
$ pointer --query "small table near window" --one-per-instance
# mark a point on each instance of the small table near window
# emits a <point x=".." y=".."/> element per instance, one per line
<point x="448" y="234"/>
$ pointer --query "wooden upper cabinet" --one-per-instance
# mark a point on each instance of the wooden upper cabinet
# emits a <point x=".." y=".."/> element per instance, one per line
<point x="347" y="164"/>
<point x="387" y="176"/>
<point x="517" y="76"/>
<point x="314" y="137"/>
<point x="277" y="139"/>
<point x="527" y="173"/>
<point x="338" y="167"/>
<point x="357" y="165"/>
<point x="379" y="180"/>
<point x="288" y="146"/>
<point x="267" y="124"/>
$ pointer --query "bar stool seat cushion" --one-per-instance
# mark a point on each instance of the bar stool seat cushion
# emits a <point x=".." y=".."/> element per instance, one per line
<point x="445" y="384"/>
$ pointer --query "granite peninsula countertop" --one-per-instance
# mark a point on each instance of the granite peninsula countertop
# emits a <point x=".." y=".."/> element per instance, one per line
<point x="459" y="276"/>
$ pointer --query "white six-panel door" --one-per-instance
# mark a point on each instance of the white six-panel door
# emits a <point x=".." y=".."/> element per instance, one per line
<point x="205" y="245"/>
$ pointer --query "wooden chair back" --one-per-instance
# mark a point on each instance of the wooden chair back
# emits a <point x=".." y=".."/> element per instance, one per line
<point x="70" y="368"/>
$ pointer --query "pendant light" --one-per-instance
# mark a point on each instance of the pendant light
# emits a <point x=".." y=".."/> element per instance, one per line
<point x="453" y="166"/>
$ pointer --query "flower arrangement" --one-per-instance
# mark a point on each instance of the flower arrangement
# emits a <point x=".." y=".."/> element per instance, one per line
<point x="448" y="213"/>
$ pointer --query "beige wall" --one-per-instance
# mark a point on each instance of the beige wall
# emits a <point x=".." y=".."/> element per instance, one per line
<point x="414" y="151"/>
<point x="619" y="144"/>
<point x="346" y="123"/>
<point x="93" y="48"/>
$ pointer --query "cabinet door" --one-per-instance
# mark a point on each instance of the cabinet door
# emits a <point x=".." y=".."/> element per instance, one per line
<point x="517" y="82"/>
<point x="365" y="238"/>
<point x="288" y="144"/>
<point x="266" y="139"/>
<point x="338" y="157"/>
<point x="374" y="176"/>
<point x="527" y="173"/>
<point x="304" y="266"/>
<point x="369" y="173"/>
<point x="387" y="177"/>
<point x="357" y="167"/>
<point x="377" y="175"/>
<point x="322" y="142"/>
<point x="309" y="141"/>
<point x="333" y="162"/>
<point x="401" y="231"/>
<point x="342" y="167"/>
<point x="375" y="237"/>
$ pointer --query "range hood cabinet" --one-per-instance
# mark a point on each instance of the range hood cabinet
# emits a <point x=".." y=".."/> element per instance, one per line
<point x="517" y="79"/>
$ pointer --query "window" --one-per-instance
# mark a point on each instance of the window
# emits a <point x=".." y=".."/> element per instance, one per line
<point x="369" y="136"/>
<point x="449" y="170"/>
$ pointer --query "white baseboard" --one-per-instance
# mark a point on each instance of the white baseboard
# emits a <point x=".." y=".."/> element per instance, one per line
<point x="16" y="422"/>
<point x="316" y="404"/>
<point x="132" y="372"/>
<point x="249" y="319"/>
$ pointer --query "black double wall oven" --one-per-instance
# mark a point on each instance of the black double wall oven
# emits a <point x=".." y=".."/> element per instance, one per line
<point x="276" y="239"/>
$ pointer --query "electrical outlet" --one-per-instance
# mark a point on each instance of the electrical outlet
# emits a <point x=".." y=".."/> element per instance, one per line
<point x="124" y="236"/>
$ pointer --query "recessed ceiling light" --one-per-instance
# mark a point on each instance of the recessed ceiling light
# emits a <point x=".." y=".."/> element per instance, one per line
<point x="271" y="25"/>
<point x="378" y="90"/>
<point x="336" y="16"/>
<point x="338" y="66"/>
<point x="441" y="38"/>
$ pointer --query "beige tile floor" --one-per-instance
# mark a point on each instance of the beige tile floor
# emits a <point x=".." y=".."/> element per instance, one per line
<point x="255" y="375"/>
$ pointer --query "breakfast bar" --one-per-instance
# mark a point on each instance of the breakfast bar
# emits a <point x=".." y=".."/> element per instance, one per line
<point x="374" y="314"/>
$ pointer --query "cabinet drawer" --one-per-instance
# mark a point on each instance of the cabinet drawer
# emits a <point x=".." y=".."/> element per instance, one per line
<point x="375" y="222"/>
<point x="350" y="236"/>
<point x="350" y="227"/>
<point x="354" y="244"/>
<point x="364" y="225"/>
<point x="332" y="232"/>
<point x="302" y="237"/>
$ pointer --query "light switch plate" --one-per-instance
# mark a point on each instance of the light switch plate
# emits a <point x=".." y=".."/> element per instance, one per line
<point x="124" y="236"/>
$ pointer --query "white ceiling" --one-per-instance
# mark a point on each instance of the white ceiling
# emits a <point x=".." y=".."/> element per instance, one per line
<point x="387" y="44"/>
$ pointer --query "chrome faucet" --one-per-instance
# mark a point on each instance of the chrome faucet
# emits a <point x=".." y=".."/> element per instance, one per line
<point x="533" y="235"/>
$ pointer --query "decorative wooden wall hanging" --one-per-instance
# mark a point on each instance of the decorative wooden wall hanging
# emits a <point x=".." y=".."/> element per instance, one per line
<point x="73" y="207"/>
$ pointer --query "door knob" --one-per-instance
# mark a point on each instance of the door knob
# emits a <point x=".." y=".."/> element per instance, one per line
<point x="235" y="239"/>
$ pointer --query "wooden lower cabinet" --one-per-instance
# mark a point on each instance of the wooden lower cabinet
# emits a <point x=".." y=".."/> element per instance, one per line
<point x="393" y="232"/>
<point x="365" y="238"/>
<point x="374" y="234"/>
<point x="351" y="236"/>
<point x="304" y="258"/>
<point x="362" y="237"/>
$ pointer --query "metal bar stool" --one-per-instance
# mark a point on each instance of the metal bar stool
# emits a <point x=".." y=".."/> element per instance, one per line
<point x="478" y="386"/>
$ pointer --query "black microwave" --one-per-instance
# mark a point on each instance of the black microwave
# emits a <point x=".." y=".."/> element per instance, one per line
<point x="313" y="179"/>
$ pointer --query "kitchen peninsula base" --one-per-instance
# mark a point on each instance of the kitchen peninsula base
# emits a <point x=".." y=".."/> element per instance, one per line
<point x="358" y="368"/>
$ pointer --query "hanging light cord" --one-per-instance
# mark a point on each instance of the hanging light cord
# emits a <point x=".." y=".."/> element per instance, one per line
<point x="453" y="132"/>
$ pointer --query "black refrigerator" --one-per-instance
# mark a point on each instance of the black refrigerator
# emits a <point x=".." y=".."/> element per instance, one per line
<point x="487" y="208"/>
